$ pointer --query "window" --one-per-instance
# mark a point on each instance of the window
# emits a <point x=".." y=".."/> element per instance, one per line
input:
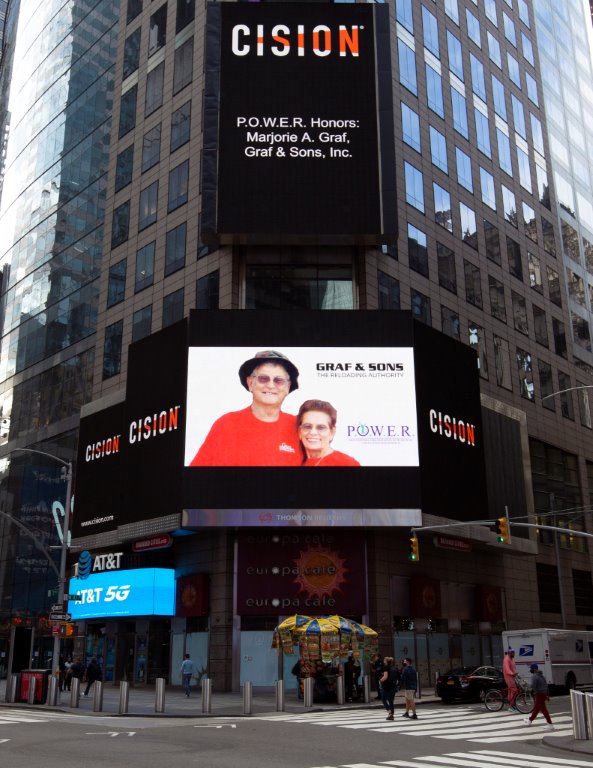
<point x="186" y="11"/>
<point x="566" y="404"/>
<point x="450" y="322"/>
<point x="588" y="249"/>
<point x="482" y="133"/>
<point x="494" y="50"/>
<point x="434" y="91"/>
<point x="464" y="169"/>
<point x="502" y="363"/>
<point x="430" y="32"/>
<point x="141" y="323"/>
<point x="537" y="134"/>
<point x="452" y="10"/>
<point x="207" y="291"/>
<point x="173" y="308"/>
<point x="490" y="8"/>
<point x="559" y="337"/>
<point x="446" y="266"/>
<point x="543" y="188"/>
<point x="403" y="13"/>
<point x="509" y="205"/>
<point x="531" y="89"/>
<point x="473" y="285"/>
<point x="492" y="242"/>
<point x="526" y="388"/>
<point x="548" y="588"/>
<point x="524" y="169"/>
<point x="116" y="287"/>
<point x="127" y="115"/>
<point x="151" y="148"/>
<point x="183" y="66"/>
<point x="154" y="89"/>
<point x="147" y="206"/>
<point x="120" y="224"/>
<point x="514" y="256"/>
<point x="157" y="34"/>
<point x="124" y="167"/>
<point x="410" y="127"/>
<point x="576" y="287"/>
<point x="535" y="272"/>
<point x="477" y="341"/>
<point x="180" y="126"/>
<point x="175" y="249"/>
<point x="497" y="303"/>
<point x="112" y="349"/>
<point x="520" y="313"/>
<point x="509" y="29"/>
<point x="455" y="55"/>
<point x="514" y="71"/>
<point x="478" y="81"/>
<point x="438" y="149"/>
<point x="421" y="307"/>
<point x="417" y="250"/>
<point x="570" y="242"/>
<point x="548" y="237"/>
<point x="131" y="53"/>
<point x="407" y="67"/>
<point x="203" y="248"/>
<point x="473" y="28"/>
<point x="469" y="230"/>
<point x="442" y="207"/>
<point x="459" y="113"/>
<point x="546" y="385"/>
<point x="487" y="188"/>
<point x="518" y="116"/>
<point x="500" y="106"/>
<point x="540" y="325"/>
<point x="134" y="9"/>
<point x="554" y="287"/>
<point x="581" y="332"/>
<point x="504" y="152"/>
<point x="529" y="222"/>
<point x="527" y="46"/>
<point x="144" y="267"/>
<point x="178" y="181"/>
<point x="388" y="291"/>
<point x="414" y="187"/>
<point x="582" y="585"/>
<point x="523" y="12"/>
<point x="584" y="410"/>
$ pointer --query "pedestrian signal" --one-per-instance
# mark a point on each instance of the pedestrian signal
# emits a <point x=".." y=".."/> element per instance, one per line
<point x="502" y="530"/>
<point x="414" y="554"/>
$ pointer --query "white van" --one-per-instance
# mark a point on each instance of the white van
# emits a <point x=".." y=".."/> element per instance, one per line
<point x="563" y="655"/>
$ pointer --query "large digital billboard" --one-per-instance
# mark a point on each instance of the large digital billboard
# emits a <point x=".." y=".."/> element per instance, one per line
<point x="298" y="124"/>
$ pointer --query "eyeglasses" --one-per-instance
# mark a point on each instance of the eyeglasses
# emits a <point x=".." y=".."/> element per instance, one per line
<point x="321" y="428"/>
<point x="279" y="381"/>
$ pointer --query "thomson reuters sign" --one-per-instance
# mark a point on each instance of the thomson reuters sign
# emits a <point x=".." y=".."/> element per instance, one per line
<point x="282" y="40"/>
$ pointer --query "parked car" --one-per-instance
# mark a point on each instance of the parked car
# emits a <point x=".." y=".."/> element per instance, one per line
<point x="468" y="683"/>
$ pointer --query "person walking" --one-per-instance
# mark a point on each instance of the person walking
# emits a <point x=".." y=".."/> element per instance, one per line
<point x="409" y="684"/>
<point x="378" y="668"/>
<point x="93" y="672"/>
<point x="187" y="670"/>
<point x="388" y="685"/>
<point x="509" y="670"/>
<point x="539" y="686"/>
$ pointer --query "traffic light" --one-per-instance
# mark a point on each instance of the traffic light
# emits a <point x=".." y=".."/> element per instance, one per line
<point x="414" y="553"/>
<point x="502" y="530"/>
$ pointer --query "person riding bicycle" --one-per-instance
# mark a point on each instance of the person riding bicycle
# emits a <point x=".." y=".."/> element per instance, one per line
<point x="509" y="670"/>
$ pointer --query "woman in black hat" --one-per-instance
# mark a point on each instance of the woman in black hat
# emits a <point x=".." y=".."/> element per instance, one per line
<point x="261" y="434"/>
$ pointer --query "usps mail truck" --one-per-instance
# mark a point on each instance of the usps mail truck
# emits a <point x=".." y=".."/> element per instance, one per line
<point x="563" y="655"/>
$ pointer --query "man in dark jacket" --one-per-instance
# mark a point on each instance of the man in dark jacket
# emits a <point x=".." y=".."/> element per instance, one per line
<point x="93" y="672"/>
<point x="409" y="683"/>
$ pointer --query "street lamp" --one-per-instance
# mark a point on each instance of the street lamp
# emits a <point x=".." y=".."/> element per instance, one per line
<point x="55" y="662"/>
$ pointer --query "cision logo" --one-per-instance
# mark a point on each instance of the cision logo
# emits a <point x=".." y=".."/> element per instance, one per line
<point x="283" y="40"/>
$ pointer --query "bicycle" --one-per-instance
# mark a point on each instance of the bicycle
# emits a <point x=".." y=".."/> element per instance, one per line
<point x="496" y="698"/>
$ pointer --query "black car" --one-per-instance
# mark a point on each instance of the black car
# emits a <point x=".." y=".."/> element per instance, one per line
<point x="468" y="683"/>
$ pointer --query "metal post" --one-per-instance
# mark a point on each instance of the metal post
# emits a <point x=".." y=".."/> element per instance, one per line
<point x="579" y="726"/>
<point x="206" y="696"/>
<point x="75" y="692"/>
<point x="308" y="683"/>
<point x="12" y="686"/>
<point x="98" y="696"/>
<point x="124" y="697"/>
<point x="366" y="682"/>
<point x="159" y="697"/>
<point x="247" y="697"/>
<point x="32" y="688"/>
<point x="279" y="695"/>
<point x="588" y="697"/>
<point x="52" y="691"/>
<point x="340" y="697"/>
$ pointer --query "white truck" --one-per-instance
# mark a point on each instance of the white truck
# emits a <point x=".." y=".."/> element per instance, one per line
<point x="565" y="656"/>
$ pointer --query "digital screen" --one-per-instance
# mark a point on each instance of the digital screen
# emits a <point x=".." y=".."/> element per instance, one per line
<point x="141" y="592"/>
<point x="292" y="106"/>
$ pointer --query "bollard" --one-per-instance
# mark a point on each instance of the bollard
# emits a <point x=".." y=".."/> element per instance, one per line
<point x="588" y="702"/>
<point x="206" y="696"/>
<point x="279" y="695"/>
<point x="340" y="697"/>
<point x="247" y="697"/>
<point x="579" y="725"/>
<point x="159" y="698"/>
<point x="75" y="692"/>
<point x="12" y="686"/>
<point x="52" y="691"/>
<point x="366" y="684"/>
<point x="98" y="696"/>
<point x="308" y="683"/>
<point x="124" y="697"/>
<point x="32" y="688"/>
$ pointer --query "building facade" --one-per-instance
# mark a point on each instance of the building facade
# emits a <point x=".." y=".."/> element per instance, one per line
<point x="105" y="114"/>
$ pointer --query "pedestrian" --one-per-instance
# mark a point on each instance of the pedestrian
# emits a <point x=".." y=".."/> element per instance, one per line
<point x="298" y="672"/>
<point x="409" y="684"/>
<point x="351" y="672"/>
<point x="509" y="670"/>
<point x="93" y="672"/>
<point x="62" y="672"/>
<point x="541" y="694"/>
<point x="187" y="670"/>
<point x="388" y="685"/>
<point x="378" y="668"/>
<point x="76" y="670"/>
<point x="68" y="674"/>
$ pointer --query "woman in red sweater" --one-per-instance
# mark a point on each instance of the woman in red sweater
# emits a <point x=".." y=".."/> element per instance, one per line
<point x="316" y="422"/>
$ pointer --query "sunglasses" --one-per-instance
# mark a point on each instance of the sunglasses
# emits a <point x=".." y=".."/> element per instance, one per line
<point x="321" y="428"/>
<point x="279" y="381"/>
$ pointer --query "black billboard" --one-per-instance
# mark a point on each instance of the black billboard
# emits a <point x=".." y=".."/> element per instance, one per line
<point x="298" y="126"/>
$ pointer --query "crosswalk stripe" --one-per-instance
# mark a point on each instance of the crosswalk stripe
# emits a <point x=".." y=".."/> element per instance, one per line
<point x="474" y="759"/>
<point x="553" y="760"/>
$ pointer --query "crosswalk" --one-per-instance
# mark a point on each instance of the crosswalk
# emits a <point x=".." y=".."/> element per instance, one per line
<point x="461" y="723"/>
<point x="10" y="716"/>
<point x="479" y="759"/>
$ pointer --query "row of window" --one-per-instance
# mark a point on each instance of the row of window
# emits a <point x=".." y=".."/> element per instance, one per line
<point x="404" y="14"/>
<point x="186" y="10"/>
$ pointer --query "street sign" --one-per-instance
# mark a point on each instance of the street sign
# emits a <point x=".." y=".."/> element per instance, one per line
<point x="72" y="597"/>
<point x="57" y="607"/>
<point x="59" y="616"/>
